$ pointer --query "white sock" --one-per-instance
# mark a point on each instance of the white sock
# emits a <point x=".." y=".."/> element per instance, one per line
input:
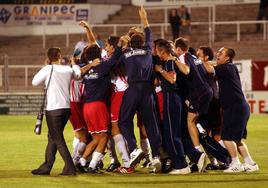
<point x="200" y="128"/>
<point x="83" y="161"/>
<point x="111" y="151"/>
<point x="145" y="146"/>
<point x="235" y="160"/>
<point x="122" y="149"/>
<point x="249" y="160"/>
<point x="75" y="142"/>
<point x="96" y="157"/>
<point x="198" y="148"/>
<point x="81" y="148"/>
<point x="75" y="145"/>
<point x="222" y="143"/>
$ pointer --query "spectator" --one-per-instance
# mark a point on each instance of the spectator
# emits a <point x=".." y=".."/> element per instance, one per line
<point x="263" y="13"/>
<point x="65" y="61"/>
<point x="185" y="23"/>
<point x="80" y="45"/>
<point x="99" y="41"/>
<point x="175" y="22"/>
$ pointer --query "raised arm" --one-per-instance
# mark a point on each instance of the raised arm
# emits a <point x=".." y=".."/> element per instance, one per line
<point x="143" y="16"/>
<point x="147" y="30"/>
<point x="90" y="36"/>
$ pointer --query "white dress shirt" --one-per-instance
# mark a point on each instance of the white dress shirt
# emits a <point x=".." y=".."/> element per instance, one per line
<point x="58" y="93"/>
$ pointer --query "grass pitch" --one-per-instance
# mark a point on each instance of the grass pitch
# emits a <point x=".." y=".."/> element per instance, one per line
<point x="21" y="151"/>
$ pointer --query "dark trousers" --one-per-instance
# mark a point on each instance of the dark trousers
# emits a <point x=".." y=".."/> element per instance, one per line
<point x="56" y="121"/>
<point x="212" y="147"/>
<point x="172" y="129"/>
<point x="139" y="97"/>
<point x="175" y="32"/>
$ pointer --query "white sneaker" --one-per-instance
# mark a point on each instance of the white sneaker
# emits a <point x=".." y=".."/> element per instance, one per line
<point x="182" y="171"/>
<point x="201" y="164"/>
<point x="136" y="156"/>
<point x="235" y="168"/>
<point x="251" y="168"/>
<point x="156" y="163"/>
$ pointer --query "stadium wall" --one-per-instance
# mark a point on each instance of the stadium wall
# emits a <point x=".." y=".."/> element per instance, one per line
<point x="253" y="74"/>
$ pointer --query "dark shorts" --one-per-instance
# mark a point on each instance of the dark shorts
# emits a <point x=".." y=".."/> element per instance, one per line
<point x="245" y="134"/>
<point x="213" y="119"/>
<point x="235" y="120"/>
<point x="201" y="103"/>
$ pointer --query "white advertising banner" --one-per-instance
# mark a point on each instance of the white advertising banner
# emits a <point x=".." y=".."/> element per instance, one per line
<point x="258" y="101"/>
<point x="245" y="72"/>
<point x="43" y="14"/>
<point x="188" y="2"/>
<point x="49" y="19"/>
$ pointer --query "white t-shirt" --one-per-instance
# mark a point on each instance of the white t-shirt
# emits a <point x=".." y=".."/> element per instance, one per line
<point x="158" y="89"/>
<point x="182" y="58"/>
<point x="58" y="93"/>
<point x="120" y="84"/>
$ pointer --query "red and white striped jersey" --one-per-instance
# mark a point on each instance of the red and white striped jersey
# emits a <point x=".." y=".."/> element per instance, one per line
<point x="77" y="90"/>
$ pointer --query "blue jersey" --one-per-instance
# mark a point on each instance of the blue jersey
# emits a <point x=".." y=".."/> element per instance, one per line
<point x="168" y="66"/>
<point x="97" y="80"/>
<point x="212" y="82"/>
<point x="138" y="62"/>
<point x="230" y="91"/>
<point x="197" y="79"/>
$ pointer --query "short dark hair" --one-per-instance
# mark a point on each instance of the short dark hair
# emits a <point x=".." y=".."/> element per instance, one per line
<point x="113" y="40"/>
<point x="137" y="41"/>
<point x="53" y="54"/>
<point x="207" y="51"/>
<point x="164" y="45"/>
<point x="192" y="51"/>
<point x="182" y="43"/>
<point x="156" y="41"/>
<point x="93" y="52"/>
<point x="230" y="53"/>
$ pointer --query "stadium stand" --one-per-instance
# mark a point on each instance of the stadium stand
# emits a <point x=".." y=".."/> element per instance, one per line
<point x="29" y="50"/>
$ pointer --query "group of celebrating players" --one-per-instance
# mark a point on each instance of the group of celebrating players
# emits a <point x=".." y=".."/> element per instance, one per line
<point x="189" y="108"/>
